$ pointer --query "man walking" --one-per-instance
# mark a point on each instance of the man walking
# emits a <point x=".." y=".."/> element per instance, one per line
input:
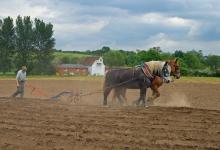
<point x="20" y="81"/>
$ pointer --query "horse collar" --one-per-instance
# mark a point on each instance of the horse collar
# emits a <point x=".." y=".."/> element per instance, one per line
<point x="147" y="72"/>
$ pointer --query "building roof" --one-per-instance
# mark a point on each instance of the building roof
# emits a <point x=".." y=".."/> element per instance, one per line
<point x="88" y="61"/>
<point x="72" y="66"/>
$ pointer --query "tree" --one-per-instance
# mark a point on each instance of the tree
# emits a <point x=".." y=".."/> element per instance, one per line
<point x="24" y="42"/>
<point x="166" y="56"/>
<point x="179" y="54"/>
<point x="214" y="62"/>
<point x="7" y="44"/>
<point x="151" y="54"/>
<point x="184" y="69"/>
<point x="1" y="45"/>
<point x="99" y="52"/>
<point x="193" y="60"/>
<point x="65" y="60"/>
<point x="43" y="42"/>
<point x="105" y="49"/>
<point x="131" y="59"/>
<point x="114" y="58"/>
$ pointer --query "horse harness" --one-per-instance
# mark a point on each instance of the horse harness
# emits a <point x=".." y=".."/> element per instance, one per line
<point x="146" y="70"/>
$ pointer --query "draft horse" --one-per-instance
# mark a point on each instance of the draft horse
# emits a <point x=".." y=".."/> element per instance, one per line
<point x="137" y="78"/>
<point x="120" y="92"/>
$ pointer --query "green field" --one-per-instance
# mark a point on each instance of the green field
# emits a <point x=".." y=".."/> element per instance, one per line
<point x="69" y="54"/>
<point x="68" y="57"/>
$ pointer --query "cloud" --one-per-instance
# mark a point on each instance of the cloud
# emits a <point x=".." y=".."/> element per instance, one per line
<point x="170" y="44"/>
<point x="126" y="24"/>
<point x="14" y="8"/>
<point x="80" y="28"/>
<point x="158" y="18"/>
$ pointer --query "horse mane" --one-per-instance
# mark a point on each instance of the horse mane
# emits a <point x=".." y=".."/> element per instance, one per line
<point x="155" y="67"/>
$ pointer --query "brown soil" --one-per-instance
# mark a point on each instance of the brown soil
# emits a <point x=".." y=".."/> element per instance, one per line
<point x="193" y="121"/>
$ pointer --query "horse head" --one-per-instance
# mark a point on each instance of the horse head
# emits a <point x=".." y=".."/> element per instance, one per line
<point x="166" y="71"/>
<point x="175" y="68"/>
<point x="161" y="69"/>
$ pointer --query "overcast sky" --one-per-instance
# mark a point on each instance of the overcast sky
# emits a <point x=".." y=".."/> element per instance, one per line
<point x="126" y="24"/>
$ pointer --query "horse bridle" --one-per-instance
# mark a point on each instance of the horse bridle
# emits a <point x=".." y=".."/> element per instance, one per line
<point x="177" y="71"/>
<point x="165" y="73"/>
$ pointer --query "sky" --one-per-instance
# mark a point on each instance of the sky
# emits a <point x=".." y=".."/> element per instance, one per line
<point x="126" y="24"/>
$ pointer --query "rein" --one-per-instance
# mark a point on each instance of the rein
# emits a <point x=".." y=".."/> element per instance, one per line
<point x="122" y="83"/>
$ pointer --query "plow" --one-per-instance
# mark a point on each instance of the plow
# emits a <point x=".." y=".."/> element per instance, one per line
<point x="71" y="96"/>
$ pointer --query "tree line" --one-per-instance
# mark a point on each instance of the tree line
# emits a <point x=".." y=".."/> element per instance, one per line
<point x="192" y="62"/>
<point x="31" y="42"/>
<point x="27" y="42"/>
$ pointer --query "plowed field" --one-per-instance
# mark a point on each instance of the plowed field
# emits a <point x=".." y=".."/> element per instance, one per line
<point x="186" y="116"/>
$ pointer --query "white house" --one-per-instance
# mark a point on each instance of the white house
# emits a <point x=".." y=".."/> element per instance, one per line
<point x="96" y="66"/>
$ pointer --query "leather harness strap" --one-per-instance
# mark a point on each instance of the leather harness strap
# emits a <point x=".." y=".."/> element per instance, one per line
<point x="147" y="72"/>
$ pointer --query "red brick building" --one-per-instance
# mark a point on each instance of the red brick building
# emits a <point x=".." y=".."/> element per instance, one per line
<point x="90" y="66"/>
<point x="71" y="69"/>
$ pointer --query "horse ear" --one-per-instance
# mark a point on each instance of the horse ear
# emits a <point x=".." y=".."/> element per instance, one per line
<point x="166" y="63"/>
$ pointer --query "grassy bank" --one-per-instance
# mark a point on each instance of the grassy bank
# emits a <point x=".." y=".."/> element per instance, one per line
<point x="69" y="55"/>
